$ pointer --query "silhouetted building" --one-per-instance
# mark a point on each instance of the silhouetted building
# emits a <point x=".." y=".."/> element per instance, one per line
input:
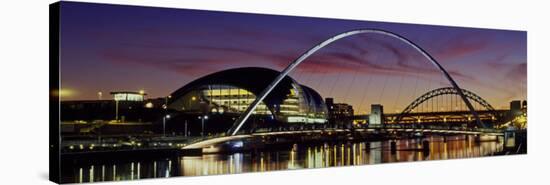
<point x="515" y="108"/>
<point x="339" y="113"/>
<point x="126" y="106"/>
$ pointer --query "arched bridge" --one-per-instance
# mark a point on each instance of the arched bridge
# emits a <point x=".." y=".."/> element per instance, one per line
<point x="464" y="95"/>
<point x="244" y="117"/>
<point x="441" y="92"/>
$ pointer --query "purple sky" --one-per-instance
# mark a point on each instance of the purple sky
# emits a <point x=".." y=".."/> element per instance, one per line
<point x="108" y="48"/>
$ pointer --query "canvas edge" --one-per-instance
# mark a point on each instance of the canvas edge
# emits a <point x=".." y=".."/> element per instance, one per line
<point x="54" y="139"/>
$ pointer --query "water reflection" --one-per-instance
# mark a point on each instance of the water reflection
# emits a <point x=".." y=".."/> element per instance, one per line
<point x="298" y="157"/>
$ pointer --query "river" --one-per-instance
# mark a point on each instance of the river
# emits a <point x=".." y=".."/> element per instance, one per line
<point x="297" y="156"/>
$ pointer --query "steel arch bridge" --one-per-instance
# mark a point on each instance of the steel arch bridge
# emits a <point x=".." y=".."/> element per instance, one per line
<point x="441" y="92"/>
<point x="242" y="119"/>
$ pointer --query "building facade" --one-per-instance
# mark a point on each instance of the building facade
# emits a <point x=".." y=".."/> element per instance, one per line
<point x="339" y="113"/>
<point x="376" y="116"/>
<point x="227" y="94"/>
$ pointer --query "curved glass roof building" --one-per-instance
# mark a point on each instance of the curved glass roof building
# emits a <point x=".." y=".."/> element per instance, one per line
<point x="231" y="91"/>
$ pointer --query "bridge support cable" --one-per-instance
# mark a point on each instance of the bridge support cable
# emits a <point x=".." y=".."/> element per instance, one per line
<point x="322" y="81"/>
<point x="334" y="84"/>
<point x="383" y="89"/>
<point x="350" y="85"/>
<point x="296" y="75"/>
<point x="432" y="105"/>
<point x="365" y="92"/>
<point x="308" y="75"/>
<point x="242" y="119"/>
<point x="415" y="85"/>
<point x="398" y="93"/>
<point x="459" y="105"/>
<point x="461" y="108"/>
<point x="310" y="79"/>
<point x="447" y="104"/>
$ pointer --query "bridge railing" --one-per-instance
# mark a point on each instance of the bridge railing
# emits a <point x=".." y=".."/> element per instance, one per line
<point x="212" y="136"/>
<point x="371" y="126"/>
<point x="414" y="127"/>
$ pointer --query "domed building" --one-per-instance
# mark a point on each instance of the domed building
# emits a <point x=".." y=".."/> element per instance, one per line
<point x="227" y="94"/>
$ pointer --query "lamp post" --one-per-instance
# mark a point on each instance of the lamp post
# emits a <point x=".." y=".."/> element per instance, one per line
<point x="116" y="110"/>
<point x="185" y="129"/>
<point x="167" y="116"/>
<point x="202" y="118"/>
<point x="164" y="124"/>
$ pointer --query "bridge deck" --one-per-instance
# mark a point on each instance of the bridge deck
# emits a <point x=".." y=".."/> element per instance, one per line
<point x="214" y="141"/>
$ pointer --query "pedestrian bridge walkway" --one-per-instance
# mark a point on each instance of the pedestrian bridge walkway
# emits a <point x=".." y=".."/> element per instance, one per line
<point x="372" y="129"/>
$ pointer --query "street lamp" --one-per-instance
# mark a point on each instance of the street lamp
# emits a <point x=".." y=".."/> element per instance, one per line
<point x="167" y="116"/>
<point x="164" y="124"/>
<point x="185" y="128"/>
<point x="202" y="118"/>
<point x="116" y="110"/>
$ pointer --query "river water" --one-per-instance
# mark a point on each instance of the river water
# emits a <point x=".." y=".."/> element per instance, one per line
<point x="297" y="156"/>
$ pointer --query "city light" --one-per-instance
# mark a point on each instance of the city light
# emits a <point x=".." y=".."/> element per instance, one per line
<point x="64" y="93"/>
<point x="149" y="105"/>
<point x="127" y="96"/>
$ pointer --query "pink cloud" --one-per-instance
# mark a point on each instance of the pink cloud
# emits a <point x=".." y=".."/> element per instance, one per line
<point x="460" y="46"/>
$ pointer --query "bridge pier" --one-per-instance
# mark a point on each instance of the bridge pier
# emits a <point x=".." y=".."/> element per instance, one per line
<point x="192" y="152"/>
<point x="426" y="147"/>
<point x="393" y="147"/>
<point x="510" y="138"/>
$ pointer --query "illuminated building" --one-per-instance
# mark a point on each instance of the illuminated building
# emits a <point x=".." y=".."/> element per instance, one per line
<point x="230" y="92"/>
<point x="518" y="113"/>
<point x="376" y="116"/>
<point x="128" y="96"/>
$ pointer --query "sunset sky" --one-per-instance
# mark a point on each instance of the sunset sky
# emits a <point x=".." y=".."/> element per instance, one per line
<point x="109" y="48"/>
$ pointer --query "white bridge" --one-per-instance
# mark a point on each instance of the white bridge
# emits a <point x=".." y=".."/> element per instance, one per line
<point x="392" y="128"/>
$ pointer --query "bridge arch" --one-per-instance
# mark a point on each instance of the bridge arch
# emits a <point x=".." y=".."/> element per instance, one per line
<point x="242" y="119"/>
<point x="444" y="91"/>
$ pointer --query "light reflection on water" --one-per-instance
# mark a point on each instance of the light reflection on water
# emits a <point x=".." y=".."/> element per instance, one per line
<point x="310" y="156"/>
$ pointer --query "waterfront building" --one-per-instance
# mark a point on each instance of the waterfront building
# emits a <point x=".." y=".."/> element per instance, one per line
<point x="376" y="116"/>
<point x="230" y="92"/>
<point x="339" y="113"/>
